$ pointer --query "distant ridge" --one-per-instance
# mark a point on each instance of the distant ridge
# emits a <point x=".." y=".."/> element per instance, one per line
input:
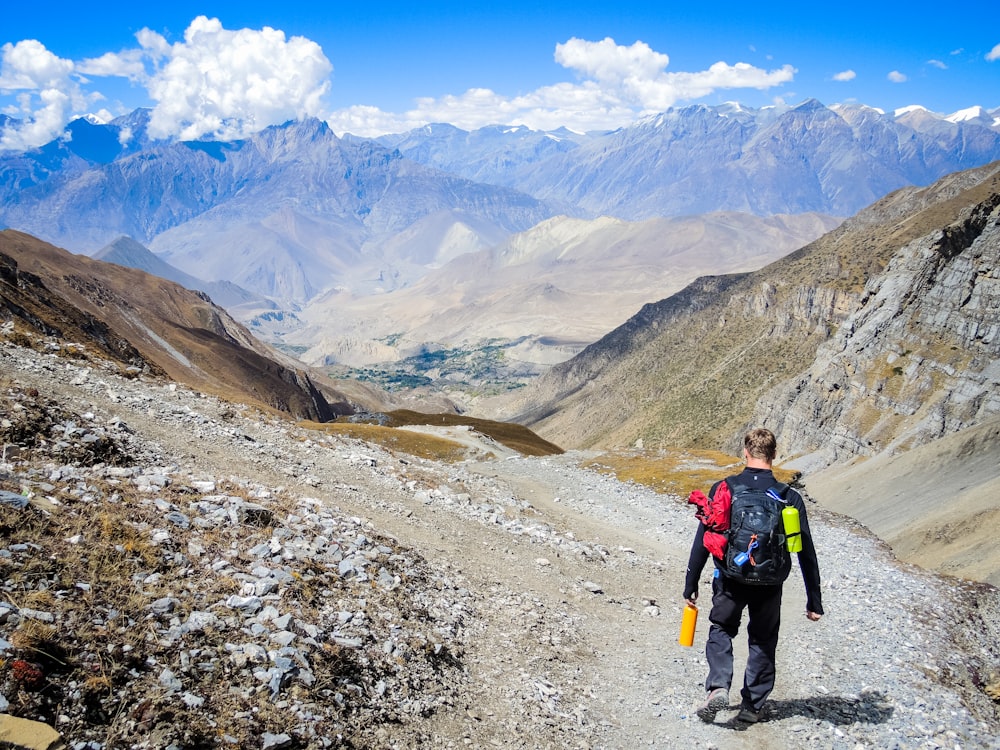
<point x="692" y="160"/>
<point x="126" y="252"/>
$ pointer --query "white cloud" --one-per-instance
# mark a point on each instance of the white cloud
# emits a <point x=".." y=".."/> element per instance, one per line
<point x="937" y="64"/>
<point x="216" y="82"/>
<point x="896" y="77"/>
<point x="993" y="54"/>
<point x="846" y="75"/>
<point x="636" y="74"/>
<point x="367" y="120"/>
<point x="46" y="94"/>
<point x="28" y="65"/>
<point x="610" y="62"/>
<point x="228" y="84"/>
<point x="129" y="64"/>
<point x="617" y="84"/>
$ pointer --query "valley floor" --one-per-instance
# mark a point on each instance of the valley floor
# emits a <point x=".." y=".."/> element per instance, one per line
<point x="571" y="587"/>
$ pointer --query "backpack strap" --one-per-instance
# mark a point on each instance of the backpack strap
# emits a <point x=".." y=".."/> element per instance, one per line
<point x="781" y="489"/>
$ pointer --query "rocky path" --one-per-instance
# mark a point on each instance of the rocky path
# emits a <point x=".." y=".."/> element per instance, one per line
<point x="560" y="592"/>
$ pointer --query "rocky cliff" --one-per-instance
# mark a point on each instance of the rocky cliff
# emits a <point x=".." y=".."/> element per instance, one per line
<point x="917" y="358"/>
<point x="878" y="336"/>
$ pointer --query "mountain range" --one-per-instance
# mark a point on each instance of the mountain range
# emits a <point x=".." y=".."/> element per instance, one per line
<point x="700" y="159"/>
<point x="300" y="233"/>
<point x="876" y="341"/>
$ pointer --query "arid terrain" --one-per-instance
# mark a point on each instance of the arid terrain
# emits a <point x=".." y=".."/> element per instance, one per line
<point x="547" y="596"/>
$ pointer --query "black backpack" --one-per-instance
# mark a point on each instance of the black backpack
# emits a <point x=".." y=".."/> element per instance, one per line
<point x="756" y="552"/>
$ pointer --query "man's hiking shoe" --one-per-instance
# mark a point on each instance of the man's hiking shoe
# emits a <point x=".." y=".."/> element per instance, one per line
<point x="715" y="701"/>
<point x="748" y="715"/>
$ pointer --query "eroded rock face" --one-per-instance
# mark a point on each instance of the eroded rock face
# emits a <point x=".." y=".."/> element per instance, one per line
<point x="919" y="357"/>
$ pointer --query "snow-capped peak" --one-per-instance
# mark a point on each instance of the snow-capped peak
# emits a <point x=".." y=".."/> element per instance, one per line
<point x="907" y="110"/>
<point x="972" y="113"/>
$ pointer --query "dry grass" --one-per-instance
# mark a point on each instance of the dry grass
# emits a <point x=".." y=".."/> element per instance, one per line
<point x="404" y="441"/>
<point x="19" y="337"/>
<point x="674" y="472"/>
<point x="514" y="436"/>
<point x="85" y="562"/>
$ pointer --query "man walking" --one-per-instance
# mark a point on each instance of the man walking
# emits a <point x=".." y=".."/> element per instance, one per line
<point x="731" y="595"/>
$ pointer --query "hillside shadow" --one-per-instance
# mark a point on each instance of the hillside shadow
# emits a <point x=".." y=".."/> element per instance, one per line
<point x="871" y="708"/>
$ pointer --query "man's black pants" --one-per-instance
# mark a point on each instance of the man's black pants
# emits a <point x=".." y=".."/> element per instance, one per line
<point x="763" y="604"/>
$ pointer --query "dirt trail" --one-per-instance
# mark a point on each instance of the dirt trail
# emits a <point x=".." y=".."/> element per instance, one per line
<point x="573" y="639"/>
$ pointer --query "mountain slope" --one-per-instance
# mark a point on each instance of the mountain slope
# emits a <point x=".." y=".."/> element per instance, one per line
<point x="689" y="370"/>
<point x="142" y="320"/>
<point x="287" y="213"/>
<point x="128" y="253"/>
<point x="937" y="505"/>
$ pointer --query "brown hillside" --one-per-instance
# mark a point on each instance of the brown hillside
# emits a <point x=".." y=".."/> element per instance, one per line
<point x="938" y="506"/>
<point x="145" y="321"/>
<point x="512" y="435"/>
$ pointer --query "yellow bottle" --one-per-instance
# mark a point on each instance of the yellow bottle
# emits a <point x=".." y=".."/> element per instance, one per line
<point x="688" y="620"/>
<point x="793" y="531"/>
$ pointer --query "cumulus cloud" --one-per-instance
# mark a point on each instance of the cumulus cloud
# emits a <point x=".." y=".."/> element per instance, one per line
<point x="228" y="84"/>
<point x="129" y="64"/>
<point x="846" y="75"/>
<point x="896" y="77"/>
<point x="45" y="94"/>
<point x="993" y="54"/>
<point x="937" y="64"/>
<point x="615" y="84"/>
<point x="216" y="82"/>
<point x="610" y="62"/>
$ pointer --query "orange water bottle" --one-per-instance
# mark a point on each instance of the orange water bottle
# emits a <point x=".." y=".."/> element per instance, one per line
<point x="688" y="620"/>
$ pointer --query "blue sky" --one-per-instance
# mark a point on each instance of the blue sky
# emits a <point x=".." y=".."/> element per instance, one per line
<point x="226" y="69"/>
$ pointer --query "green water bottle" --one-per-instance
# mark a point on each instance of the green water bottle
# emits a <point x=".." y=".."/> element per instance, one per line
<point x="793" y="531"/>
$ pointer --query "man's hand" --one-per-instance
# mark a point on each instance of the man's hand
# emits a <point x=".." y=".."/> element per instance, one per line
<point x="692" y="599"/>
<point x="813" y="615"/>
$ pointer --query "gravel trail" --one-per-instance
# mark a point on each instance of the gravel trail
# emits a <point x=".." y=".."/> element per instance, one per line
<point x="569" y="582"/>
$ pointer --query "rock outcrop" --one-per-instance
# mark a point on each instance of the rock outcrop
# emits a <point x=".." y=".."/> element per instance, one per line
<point x="917" y="358"/>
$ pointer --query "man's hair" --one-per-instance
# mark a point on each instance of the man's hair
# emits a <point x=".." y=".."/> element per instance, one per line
<point x="761" y="443"/>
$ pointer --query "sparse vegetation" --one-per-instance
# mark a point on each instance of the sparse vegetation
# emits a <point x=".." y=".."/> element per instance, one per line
<point x="101" y="580"/>
<point x="483" y="370"/>
<point x="512" y="435"/>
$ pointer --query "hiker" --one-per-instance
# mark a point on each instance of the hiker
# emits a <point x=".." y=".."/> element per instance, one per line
<point x="732" y="591"/>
